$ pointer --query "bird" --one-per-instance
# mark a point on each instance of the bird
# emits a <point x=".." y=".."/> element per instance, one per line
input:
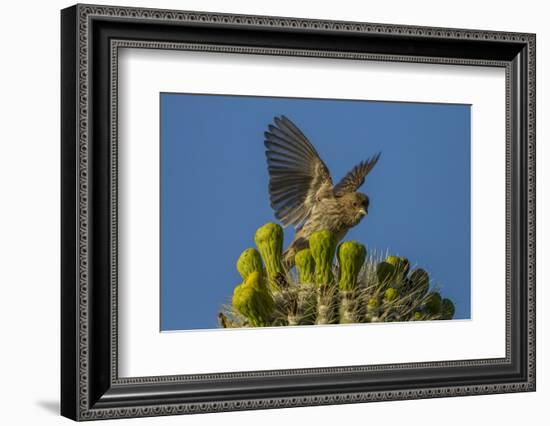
<point x="301" y="191"/>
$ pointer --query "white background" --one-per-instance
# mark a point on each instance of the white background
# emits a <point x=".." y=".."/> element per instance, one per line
<point x="29" y="225"/>
<point x="146" y="352"/>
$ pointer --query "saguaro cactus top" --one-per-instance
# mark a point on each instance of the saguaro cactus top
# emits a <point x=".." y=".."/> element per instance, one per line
<point x="367" y="289"/>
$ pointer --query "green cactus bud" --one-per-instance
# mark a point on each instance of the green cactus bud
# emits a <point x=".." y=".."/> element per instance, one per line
<point x="418" y="316"/>
<point x="433" y="303"/>
<point x="447" y="309"/>
<point x="351" y="256"/>
<point x="385" y="272"/>
<point x="306" y="266"/>
<point x="323" y="245"/>
<point x="420" y="281"/>
<point x="392" y="260"/>
<point x="248" y="262"/>
<point x="253" y="300"/>
<point x="401" y="264"/>
<point x="372" y="309"/>
<point x="373" y="303"/>
<point x="269" y="240"/>
<point x="390" y="295"/>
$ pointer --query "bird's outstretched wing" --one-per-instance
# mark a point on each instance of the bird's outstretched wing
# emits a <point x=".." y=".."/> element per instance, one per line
<point x="298" y="178"/>
<point x="356" y="177"/>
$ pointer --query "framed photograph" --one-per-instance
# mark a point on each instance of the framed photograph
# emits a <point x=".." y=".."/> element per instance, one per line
<point x="263" y="212"/>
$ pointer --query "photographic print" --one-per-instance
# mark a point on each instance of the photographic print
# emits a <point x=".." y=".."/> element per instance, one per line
<point x="299" y="212"/>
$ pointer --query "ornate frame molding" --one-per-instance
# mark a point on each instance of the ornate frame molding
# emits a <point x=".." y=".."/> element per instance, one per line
<point x="78" y="24"/>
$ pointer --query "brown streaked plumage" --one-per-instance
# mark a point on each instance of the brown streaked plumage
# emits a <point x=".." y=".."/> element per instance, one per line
<point x="301" y="189"/>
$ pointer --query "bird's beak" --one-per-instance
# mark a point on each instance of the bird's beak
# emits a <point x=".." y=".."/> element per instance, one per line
<point x="362" y="211"/>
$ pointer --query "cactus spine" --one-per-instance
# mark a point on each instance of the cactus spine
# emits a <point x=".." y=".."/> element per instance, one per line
<point x="327" y="303"/>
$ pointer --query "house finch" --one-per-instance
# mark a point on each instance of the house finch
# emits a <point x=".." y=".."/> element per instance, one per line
<point x="301" y="189"/>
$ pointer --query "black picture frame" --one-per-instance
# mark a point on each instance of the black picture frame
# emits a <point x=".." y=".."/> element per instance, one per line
<point x="90" y="386"/>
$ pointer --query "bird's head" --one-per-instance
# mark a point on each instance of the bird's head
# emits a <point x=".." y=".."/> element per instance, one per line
<point x="356" y="206"/>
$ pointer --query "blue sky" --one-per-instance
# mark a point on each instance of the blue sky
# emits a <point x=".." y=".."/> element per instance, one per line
<point x="214" y="189"/>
